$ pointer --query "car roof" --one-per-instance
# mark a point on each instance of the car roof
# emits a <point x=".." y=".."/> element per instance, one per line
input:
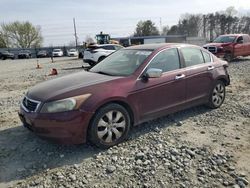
<point x="233" y="35"/>
<point x="158" y="46"/>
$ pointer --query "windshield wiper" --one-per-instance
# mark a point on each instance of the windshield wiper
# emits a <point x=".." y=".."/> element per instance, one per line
<point x="104" y="73"/>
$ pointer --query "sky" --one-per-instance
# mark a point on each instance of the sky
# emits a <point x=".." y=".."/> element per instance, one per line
<point x="118" y="18"/>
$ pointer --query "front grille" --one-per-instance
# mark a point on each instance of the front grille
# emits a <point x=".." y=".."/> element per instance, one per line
<point x="30" y="105"/>
<point x="212" y="49"/>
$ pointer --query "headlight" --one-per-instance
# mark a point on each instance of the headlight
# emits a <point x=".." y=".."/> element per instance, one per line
<point x="64" y="104"/>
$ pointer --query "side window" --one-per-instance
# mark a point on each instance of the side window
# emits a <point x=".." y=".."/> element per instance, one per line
<point x="192" y="56"/>
<point x="240" y="39"/>
<point x="166" y="60"/>
<point x="206" y="57"/>
<point x="117" y="47"/>
<point x="246" y="39"/>
<point x="108" y="47"/>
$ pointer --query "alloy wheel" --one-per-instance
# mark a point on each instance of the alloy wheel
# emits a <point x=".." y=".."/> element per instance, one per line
<point x="111" y="126"/>
<point x="218" y="94"/>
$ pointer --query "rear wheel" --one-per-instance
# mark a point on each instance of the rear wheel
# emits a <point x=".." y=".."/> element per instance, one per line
<point x="101" y="58"/>
<point x="110" y="126"/>
<point x="217" y="95"/>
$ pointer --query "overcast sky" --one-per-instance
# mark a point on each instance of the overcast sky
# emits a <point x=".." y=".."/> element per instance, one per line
<point x="118" y="18"/>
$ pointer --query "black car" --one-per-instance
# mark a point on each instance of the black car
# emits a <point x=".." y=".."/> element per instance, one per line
<point x="6" y="55"/>
<point x="24" y="54"/>
<point x="42" y="53"/>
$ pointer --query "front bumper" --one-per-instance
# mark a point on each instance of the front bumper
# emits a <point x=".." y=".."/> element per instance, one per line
<point x="65" y="127"/>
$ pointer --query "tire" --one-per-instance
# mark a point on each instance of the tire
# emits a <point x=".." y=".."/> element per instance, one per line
<point x="217" y="95"/>
<point x="228" y="57"/>
<point x="101" y="58"/>
<point x="109" y="126"/>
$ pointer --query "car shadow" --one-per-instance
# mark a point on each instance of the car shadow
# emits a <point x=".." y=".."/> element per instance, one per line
<point x="23" y="154"/>
<point x="240" y="59"/>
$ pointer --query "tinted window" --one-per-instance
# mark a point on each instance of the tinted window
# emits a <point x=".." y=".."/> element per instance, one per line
<point x="108" y="47"/>
<point x="192" y="56"/>
<point x="166" y="60"/>
<point x="117" y="47"/>
<point x="240" y="39"/>
<point x="206" y="56"/>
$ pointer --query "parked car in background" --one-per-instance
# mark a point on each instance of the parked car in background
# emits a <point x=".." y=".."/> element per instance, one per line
<point x="230" y="46"/>
<point x="24" y="54"/>
<point x="96" y="53"/>
<point x="131" y="86"/>
<point x="42" y="53"/>
<point x="57" y="53"/>
<point x="73" y="52"/>
<point x="6" y="55"/>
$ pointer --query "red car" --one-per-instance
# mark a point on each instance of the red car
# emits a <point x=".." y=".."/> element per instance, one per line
<point x="230" y="46"/>
<point x="131" y="86"/>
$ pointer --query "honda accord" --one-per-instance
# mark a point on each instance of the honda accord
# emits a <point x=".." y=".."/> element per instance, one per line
<point x="131" y="86"/>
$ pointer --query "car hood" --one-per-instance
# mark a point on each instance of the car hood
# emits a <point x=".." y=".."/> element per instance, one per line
<point x="67" y="86"/>
<point x="216" y="44"/>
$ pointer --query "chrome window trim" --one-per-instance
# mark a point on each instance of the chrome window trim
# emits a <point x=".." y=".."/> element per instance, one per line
<point x="35" y="101"/>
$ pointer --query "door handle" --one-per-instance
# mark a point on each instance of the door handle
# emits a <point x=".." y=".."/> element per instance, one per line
<point x="210" y="68"/>
<point x="180" y="76"/>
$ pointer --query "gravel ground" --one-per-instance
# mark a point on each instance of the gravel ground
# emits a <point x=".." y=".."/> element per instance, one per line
<point x="197" y="147"/>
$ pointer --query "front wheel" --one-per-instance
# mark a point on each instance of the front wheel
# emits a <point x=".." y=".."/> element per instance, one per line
<point x="217" y="95"/>
<point x="109" y="126"/>
<point x="228" y="57"/>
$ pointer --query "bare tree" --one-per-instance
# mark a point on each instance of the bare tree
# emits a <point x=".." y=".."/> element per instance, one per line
<point x="21" y="34"/>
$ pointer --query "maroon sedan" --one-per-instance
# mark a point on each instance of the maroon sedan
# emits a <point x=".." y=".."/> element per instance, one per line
<point x="130" y="86"/>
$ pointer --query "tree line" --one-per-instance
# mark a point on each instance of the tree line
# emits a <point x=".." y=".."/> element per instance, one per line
<point x="208" y="26"/>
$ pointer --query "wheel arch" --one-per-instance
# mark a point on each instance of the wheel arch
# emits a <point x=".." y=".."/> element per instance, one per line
<point x="123" y="104"/>
<point x="224" y="80"/>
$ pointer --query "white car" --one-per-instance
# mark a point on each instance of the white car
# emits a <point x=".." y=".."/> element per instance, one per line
<point x="96" y="53"/>
<point x="73" y="52"/>
<point x="57" y="53"/>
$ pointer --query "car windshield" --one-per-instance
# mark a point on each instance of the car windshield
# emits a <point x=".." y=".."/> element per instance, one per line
<point x="57" y="50"/>
<point x="122" y="63"/>
<point x="72" y="50"/>
<point x="224" y="39"/>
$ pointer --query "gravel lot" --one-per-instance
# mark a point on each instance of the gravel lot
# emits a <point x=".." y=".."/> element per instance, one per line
<point x="197" y="147"/>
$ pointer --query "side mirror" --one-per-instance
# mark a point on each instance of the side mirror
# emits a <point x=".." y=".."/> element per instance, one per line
<point x="152" y="73"/>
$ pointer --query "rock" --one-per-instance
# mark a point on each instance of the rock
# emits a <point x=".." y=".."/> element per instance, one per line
<point x="225" y="183"/>
<point x="139" y="156"/>
<point x="202" y="132"/>
<point x="110" y="169"/>
<point x="190" y="152"/>
<point x="174" y="151"/>
<point x="244" y="180"/>
<point x="114" y="158"/>
<point x="179" y="123"/>
<point x="72" y="177"/>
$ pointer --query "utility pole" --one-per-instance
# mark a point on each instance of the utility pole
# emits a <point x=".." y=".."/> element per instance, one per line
<point x="75" y="31"/>
<point x="160" y="27"/>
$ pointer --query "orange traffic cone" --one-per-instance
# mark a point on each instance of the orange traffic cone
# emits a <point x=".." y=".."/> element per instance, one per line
<point x="53" y="72"/>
